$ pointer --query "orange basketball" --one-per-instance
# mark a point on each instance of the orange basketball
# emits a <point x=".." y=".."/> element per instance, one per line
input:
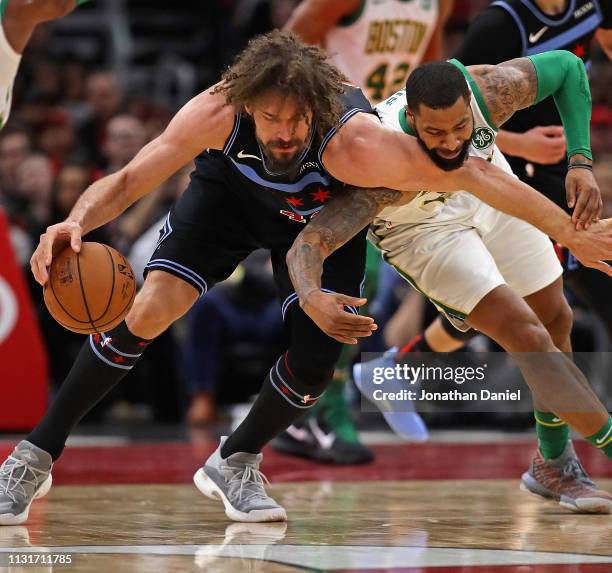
<point x="90" y="291"/>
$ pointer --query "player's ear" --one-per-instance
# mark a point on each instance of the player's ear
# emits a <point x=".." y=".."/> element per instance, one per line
<point x="409" y="116"/>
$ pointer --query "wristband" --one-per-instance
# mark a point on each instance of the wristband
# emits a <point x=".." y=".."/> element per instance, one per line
<point x="578" y="165"/>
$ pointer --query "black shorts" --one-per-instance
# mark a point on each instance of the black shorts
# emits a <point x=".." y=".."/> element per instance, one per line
<point x="216" y="224"/>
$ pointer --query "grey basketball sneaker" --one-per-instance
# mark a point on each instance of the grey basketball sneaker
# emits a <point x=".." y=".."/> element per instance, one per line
<point x="239" y="484"/>
<point x="24" y="476"/>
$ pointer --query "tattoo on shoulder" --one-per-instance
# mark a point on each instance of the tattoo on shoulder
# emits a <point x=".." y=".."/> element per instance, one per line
<point x="507" y="87"/>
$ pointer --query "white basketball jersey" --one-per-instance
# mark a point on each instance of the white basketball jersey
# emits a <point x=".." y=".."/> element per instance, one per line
<point x="430" y="204"/>
<point x="377" y="47"/>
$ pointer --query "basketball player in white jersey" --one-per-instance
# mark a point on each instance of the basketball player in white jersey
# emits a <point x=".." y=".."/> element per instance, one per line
<point x="18" y="18"/>
<point x="482" y="268"/>
<point x="375" y="44"/>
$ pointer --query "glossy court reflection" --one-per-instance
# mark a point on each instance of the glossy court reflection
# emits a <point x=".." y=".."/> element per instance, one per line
<point x="443" y="524"/>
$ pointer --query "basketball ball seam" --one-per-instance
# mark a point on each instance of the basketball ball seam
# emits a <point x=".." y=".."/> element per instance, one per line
<point x="50" y="282"/>
<point x="118" y="314"/>
<point x="83" y="292"/>
<point x="110" y="296"/>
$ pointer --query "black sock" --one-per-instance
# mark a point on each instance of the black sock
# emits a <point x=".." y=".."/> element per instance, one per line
<point x="102" y="362"/>
<point x="282" y="400"/>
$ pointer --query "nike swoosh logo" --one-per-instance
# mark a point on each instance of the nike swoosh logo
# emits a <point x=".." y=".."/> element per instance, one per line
<point x="535" y="37"/>
<point x="602" y="440"/>
<point x="555" y="420"/>
<point x="326" y="440"/>
<point x="243" y="155"/>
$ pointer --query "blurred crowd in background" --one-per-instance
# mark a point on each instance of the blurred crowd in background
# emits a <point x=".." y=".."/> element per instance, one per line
<point x="88" y="96"/>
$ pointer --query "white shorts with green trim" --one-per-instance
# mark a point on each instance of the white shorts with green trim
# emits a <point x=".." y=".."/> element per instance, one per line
<point x="462" y="255"/>
<point x="9" y="63"/>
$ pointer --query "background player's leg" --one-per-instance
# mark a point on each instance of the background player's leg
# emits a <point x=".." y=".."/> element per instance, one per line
<point x="101" y="364"/>
<point x="439" y="336"/>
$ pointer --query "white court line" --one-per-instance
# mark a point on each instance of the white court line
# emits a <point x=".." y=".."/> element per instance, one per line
<point x="336" y="557"/>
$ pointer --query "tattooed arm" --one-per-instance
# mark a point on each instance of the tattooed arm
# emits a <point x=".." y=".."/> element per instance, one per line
<point x="338" y="222"/>
<point x="523" y="82"/>
<point x="507" y="87"/>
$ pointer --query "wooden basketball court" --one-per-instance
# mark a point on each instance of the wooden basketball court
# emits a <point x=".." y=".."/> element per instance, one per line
<point x="431" y="508"/>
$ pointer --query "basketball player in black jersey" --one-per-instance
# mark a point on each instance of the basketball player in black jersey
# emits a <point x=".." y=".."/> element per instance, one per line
<point x="258" y="138"/>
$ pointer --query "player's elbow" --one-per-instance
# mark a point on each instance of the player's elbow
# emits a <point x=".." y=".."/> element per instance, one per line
<point x="310" y="242"/>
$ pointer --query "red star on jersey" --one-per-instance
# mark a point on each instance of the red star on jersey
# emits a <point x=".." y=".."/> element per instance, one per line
<point x="321" y="195"/>
<point x="579" y="50"/>
<point x="295" y="201"/>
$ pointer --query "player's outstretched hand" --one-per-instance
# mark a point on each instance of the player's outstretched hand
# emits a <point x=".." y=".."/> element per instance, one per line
<point x="327" y="311"/>
<point x="584" y="196"/>
<point x="52" y="242"/>
<point x="593" y="246"/>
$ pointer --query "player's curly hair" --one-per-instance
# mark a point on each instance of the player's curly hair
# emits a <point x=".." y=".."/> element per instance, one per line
<point x="281" y="60"/>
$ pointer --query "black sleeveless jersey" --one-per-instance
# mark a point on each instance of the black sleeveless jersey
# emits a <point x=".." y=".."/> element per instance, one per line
<point x="573" y="30"/>
<point x="297" y="196"/>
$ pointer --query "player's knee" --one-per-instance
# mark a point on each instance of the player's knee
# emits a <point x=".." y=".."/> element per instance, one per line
<point x="144" y="322"/>
<point x="162" y="300"/>
<point x="530" y="335"/>
<point x="561" y="325"/>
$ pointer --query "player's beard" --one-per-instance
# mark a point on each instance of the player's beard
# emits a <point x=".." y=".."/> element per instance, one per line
<point x="283" y="165"/>
<point x="442" y="162"/>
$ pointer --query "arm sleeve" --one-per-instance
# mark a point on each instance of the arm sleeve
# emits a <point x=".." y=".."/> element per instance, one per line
<point x="493" y="37"/>
<point x="563" y="75"/>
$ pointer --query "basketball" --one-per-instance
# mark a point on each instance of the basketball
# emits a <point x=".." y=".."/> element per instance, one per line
<point x="90" y="291"/>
